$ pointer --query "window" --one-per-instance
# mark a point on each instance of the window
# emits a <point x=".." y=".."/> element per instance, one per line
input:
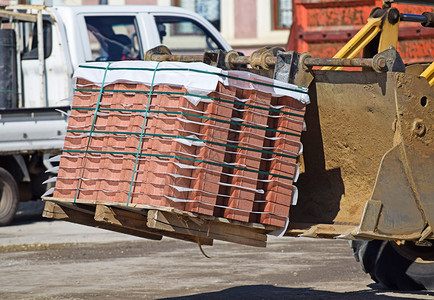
<point x="184" y="36"/>
<point x="30" y="42"/>
<point x="113" y="38"/>
<point x="282" y="14"/>
<point x="209" y="10"/>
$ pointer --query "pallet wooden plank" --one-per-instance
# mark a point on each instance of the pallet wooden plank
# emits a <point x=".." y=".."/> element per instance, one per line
<point x="118" y="217"/>
<point x="228" y="238"/>
<point x="138" y="207"/>
<point x="137" y="221"/>
<point x="55" y="211"/>
<point x="243" y="224"/>
<point x="170" y="222"/>
<point x="207" y="225"/>
<point x="131" y="206"/>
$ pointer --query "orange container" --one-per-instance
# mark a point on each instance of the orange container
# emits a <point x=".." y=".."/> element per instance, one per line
<point x="322" y="27"/>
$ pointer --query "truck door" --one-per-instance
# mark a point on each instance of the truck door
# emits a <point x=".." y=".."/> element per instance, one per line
<point x="56" y="77"/>
<point x="183" y="36"/>
<point x="111" y="38"/>
<point x="186" y="35"/>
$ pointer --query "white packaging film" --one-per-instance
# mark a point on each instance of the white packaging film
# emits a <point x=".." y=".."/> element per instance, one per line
<point x="199" y="80"/>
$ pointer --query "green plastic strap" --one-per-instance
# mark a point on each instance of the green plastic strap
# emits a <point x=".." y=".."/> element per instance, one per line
<point x="198" y="96"/>
<point x="141" y="134"/>
<point x="203" y="72"/>
<point x="180" y="158"/>
<point x="185" y="138"/>
<point x="91" y="130"/>
<point x="222" y="121"/>
<point x="205" y="118"/>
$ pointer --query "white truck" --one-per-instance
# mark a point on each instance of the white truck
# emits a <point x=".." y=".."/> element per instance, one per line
<point x="40" y="47"/>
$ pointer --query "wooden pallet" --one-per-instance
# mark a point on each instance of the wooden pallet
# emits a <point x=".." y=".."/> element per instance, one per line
<point x="155" y="222"/>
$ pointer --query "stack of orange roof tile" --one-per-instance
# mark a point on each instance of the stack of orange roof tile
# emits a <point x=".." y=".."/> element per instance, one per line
<point x="231" y="154"/>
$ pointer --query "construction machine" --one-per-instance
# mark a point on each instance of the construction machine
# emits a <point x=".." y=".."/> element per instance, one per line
<point x="367" y="169"/>
<point x="369" y="153"/>
<point x="368" y="160"/>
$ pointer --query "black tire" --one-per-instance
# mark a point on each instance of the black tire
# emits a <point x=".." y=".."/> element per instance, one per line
<point x="9" y="197"/>
<point x="405" y="267"/>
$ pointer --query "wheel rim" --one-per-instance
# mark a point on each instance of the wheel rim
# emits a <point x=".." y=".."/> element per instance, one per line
<point x="5" y="200"/>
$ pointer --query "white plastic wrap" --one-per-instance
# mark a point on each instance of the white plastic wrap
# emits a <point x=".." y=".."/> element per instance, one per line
<point x="198" y="78"/>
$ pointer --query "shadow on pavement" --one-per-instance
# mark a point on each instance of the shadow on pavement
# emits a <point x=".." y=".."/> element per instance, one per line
<point x="272" y="292"/>
<point x="29" y="212"/>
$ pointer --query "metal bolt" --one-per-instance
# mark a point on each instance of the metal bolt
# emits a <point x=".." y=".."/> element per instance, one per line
<point x="381" y="62"/>
<point x="419" y="128"/>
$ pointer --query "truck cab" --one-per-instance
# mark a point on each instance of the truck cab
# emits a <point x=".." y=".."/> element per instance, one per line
<point x="41" y="47"/>
<point x="77" y="34"/>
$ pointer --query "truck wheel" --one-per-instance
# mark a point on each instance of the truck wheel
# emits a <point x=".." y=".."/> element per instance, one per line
<point x="399" y="267"/>
<point x="9" y="197"/>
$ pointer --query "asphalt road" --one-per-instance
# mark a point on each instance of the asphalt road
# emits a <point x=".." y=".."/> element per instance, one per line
<point x="41" y="259"/>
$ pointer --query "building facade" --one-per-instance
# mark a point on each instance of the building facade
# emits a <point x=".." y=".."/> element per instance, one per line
<point x="246" y="24"/>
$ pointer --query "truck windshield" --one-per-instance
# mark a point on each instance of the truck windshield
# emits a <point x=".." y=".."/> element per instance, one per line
<point x="113" y="38"/>
<point x="185" y="36"/>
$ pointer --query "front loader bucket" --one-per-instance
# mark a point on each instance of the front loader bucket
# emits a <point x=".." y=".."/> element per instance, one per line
<point x="369" y="137"/>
